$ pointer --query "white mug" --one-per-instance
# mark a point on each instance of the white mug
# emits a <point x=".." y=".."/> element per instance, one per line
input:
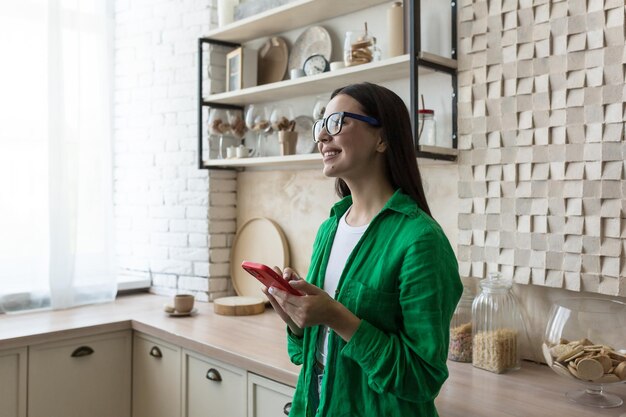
<point x="231" y="152"/>
<point x="296" y="73"/>
<point x="335" y="65"/>
<point x="243" y="152"/>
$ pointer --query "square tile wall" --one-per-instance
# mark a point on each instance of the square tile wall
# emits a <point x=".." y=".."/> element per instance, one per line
<point x="541" y="138"/>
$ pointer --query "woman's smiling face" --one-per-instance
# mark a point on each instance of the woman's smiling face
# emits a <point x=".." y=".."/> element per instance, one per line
<point x="350" y="152"/>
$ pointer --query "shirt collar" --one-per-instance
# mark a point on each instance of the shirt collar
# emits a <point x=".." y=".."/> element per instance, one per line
<point x="399" y="202"/>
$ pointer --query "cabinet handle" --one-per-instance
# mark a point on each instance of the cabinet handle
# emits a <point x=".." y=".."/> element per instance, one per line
<point x="156" y="352"/>
<point x="213" y="375"/>
<point x="82" y="351"/>
<point x="287" y="408"/>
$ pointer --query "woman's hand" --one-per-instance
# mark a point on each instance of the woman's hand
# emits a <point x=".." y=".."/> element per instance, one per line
<point x="289" y="275"/>
<point x="315" y="307"/>
<point x="311" y="309"/>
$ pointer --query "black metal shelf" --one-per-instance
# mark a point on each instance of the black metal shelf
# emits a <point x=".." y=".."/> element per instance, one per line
<point x="415" y="48"/>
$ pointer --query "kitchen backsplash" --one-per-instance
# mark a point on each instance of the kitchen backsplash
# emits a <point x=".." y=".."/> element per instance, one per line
<point x="541" y="128"/>
<point x="300" y="200"/>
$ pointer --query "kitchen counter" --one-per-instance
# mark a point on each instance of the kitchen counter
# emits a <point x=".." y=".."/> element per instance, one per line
<point x="257" y="344"/>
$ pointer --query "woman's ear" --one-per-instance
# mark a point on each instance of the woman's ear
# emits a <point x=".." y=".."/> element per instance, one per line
<point x="381" y="146"/>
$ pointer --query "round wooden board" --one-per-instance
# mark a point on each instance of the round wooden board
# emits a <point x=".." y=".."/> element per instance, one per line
<point x="258" y="240"/>
<point x="273" y="56"/>
<point x="238" y="306"/>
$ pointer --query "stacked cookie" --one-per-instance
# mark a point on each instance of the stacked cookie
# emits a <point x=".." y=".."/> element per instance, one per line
<point x="584" y="360"/>
<point x="360" y="51"/>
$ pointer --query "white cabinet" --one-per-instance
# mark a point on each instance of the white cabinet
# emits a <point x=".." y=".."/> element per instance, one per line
<point x="13" y="382"/>
<point x="267" y="398"/>
<point x="212" y="388"/>
<point x="88" y="376"/>
<point x="156" y="378"/>
<point x="118" y="375"/>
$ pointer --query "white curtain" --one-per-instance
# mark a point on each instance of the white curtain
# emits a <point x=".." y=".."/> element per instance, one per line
<point x="56" y="204"/>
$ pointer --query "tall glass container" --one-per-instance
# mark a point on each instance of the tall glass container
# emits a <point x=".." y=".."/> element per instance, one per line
<point x="461" y="328"/>
<point x="426" y="127"/>
<point x="497" y="326"/>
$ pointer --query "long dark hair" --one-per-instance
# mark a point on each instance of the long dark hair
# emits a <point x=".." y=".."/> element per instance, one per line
<point x="389" y="109"/>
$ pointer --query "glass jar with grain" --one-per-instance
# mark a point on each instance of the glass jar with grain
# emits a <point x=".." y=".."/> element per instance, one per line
<point x="497" y="326"/>
<point x="461" y="328"/>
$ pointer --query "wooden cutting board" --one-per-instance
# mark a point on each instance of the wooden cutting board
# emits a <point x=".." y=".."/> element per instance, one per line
<point x="259" y="240"/>
<point x="238" y="306"/>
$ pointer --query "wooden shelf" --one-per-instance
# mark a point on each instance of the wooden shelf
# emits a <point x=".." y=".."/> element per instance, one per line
<point x="375" y="72"/>
<point x="427" y="57"/>
<point x="307" y="161"/>
<point x="437" y="153"/>
<point x="296" y="14"/>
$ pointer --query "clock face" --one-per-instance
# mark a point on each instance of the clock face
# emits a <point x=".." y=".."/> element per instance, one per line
<point x="315" y="64"/>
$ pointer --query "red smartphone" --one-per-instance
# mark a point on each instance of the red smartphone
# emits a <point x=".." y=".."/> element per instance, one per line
<point x="268" y="277"/>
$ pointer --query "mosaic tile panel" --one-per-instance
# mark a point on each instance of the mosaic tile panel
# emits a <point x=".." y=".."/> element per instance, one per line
<point x="541" y="139"/>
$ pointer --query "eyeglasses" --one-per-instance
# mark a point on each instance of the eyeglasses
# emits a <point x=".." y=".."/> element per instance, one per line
<point x="334" y="122"/>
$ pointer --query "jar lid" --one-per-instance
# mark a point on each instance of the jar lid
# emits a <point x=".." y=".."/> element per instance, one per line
<point x="425" y="111"/>
<point x="494" y="281"/>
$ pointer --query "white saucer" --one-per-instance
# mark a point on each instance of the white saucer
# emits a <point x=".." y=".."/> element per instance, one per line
<point x="176" y="314"/>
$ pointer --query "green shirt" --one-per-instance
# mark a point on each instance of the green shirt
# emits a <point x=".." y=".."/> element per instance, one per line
<point x="402" y="280"/>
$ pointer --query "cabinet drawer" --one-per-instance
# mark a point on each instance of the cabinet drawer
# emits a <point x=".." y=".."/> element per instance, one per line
<point x="267" y="398"/>
<point x="13" y="383"/>
<point x="213" y="389"/>
<point x="156" y="378"/>
<point x="80" y="377"/>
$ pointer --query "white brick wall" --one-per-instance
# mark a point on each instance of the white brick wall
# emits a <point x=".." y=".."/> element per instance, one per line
<point x="175" y="222"/>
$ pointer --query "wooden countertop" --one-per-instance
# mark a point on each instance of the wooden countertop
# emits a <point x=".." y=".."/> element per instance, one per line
<point x="257" y="343"/>
<point x="533" y="391"/>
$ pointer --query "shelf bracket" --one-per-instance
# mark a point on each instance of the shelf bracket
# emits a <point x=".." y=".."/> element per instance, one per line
<point x="203" y="103"/>
<point x="416" y="60"/>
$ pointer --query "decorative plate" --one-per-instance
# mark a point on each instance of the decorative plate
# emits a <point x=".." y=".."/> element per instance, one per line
<point x="314" y="40"/>
<point x="177" y="314"/>
<point x="304" y="127"/>
<point x="273" y="57"/>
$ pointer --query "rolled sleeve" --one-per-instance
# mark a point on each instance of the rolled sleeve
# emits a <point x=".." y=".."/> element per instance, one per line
<point x="295" y="347"/>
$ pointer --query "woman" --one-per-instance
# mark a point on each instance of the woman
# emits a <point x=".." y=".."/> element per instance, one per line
<point x="371" y="331"/>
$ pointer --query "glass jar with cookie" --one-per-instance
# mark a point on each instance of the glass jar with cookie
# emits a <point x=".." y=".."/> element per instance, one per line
<point x="358" y="47"/>
<point x="585" y="341"/>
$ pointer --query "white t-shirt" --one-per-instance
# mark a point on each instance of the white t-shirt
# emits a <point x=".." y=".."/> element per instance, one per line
<point x="346" y="239"/>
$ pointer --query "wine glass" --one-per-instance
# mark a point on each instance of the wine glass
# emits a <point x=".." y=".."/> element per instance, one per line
<point x="257" y="120"/>
<point x="237" y="124"/>
<point x="585" y="341"/>
<point x="219" y="126"/>
<point x="319" y="107"/>
<point x="282" y="118"/>
<point x="284" y="124"/>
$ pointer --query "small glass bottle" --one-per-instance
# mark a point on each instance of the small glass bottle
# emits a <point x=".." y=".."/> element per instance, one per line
<point x="461" y="328"/>
<point x="426" y="127"/>
<point x="497" y="326"/>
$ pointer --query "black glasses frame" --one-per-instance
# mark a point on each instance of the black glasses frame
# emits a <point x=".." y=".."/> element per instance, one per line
<point x="342" y="114"/>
